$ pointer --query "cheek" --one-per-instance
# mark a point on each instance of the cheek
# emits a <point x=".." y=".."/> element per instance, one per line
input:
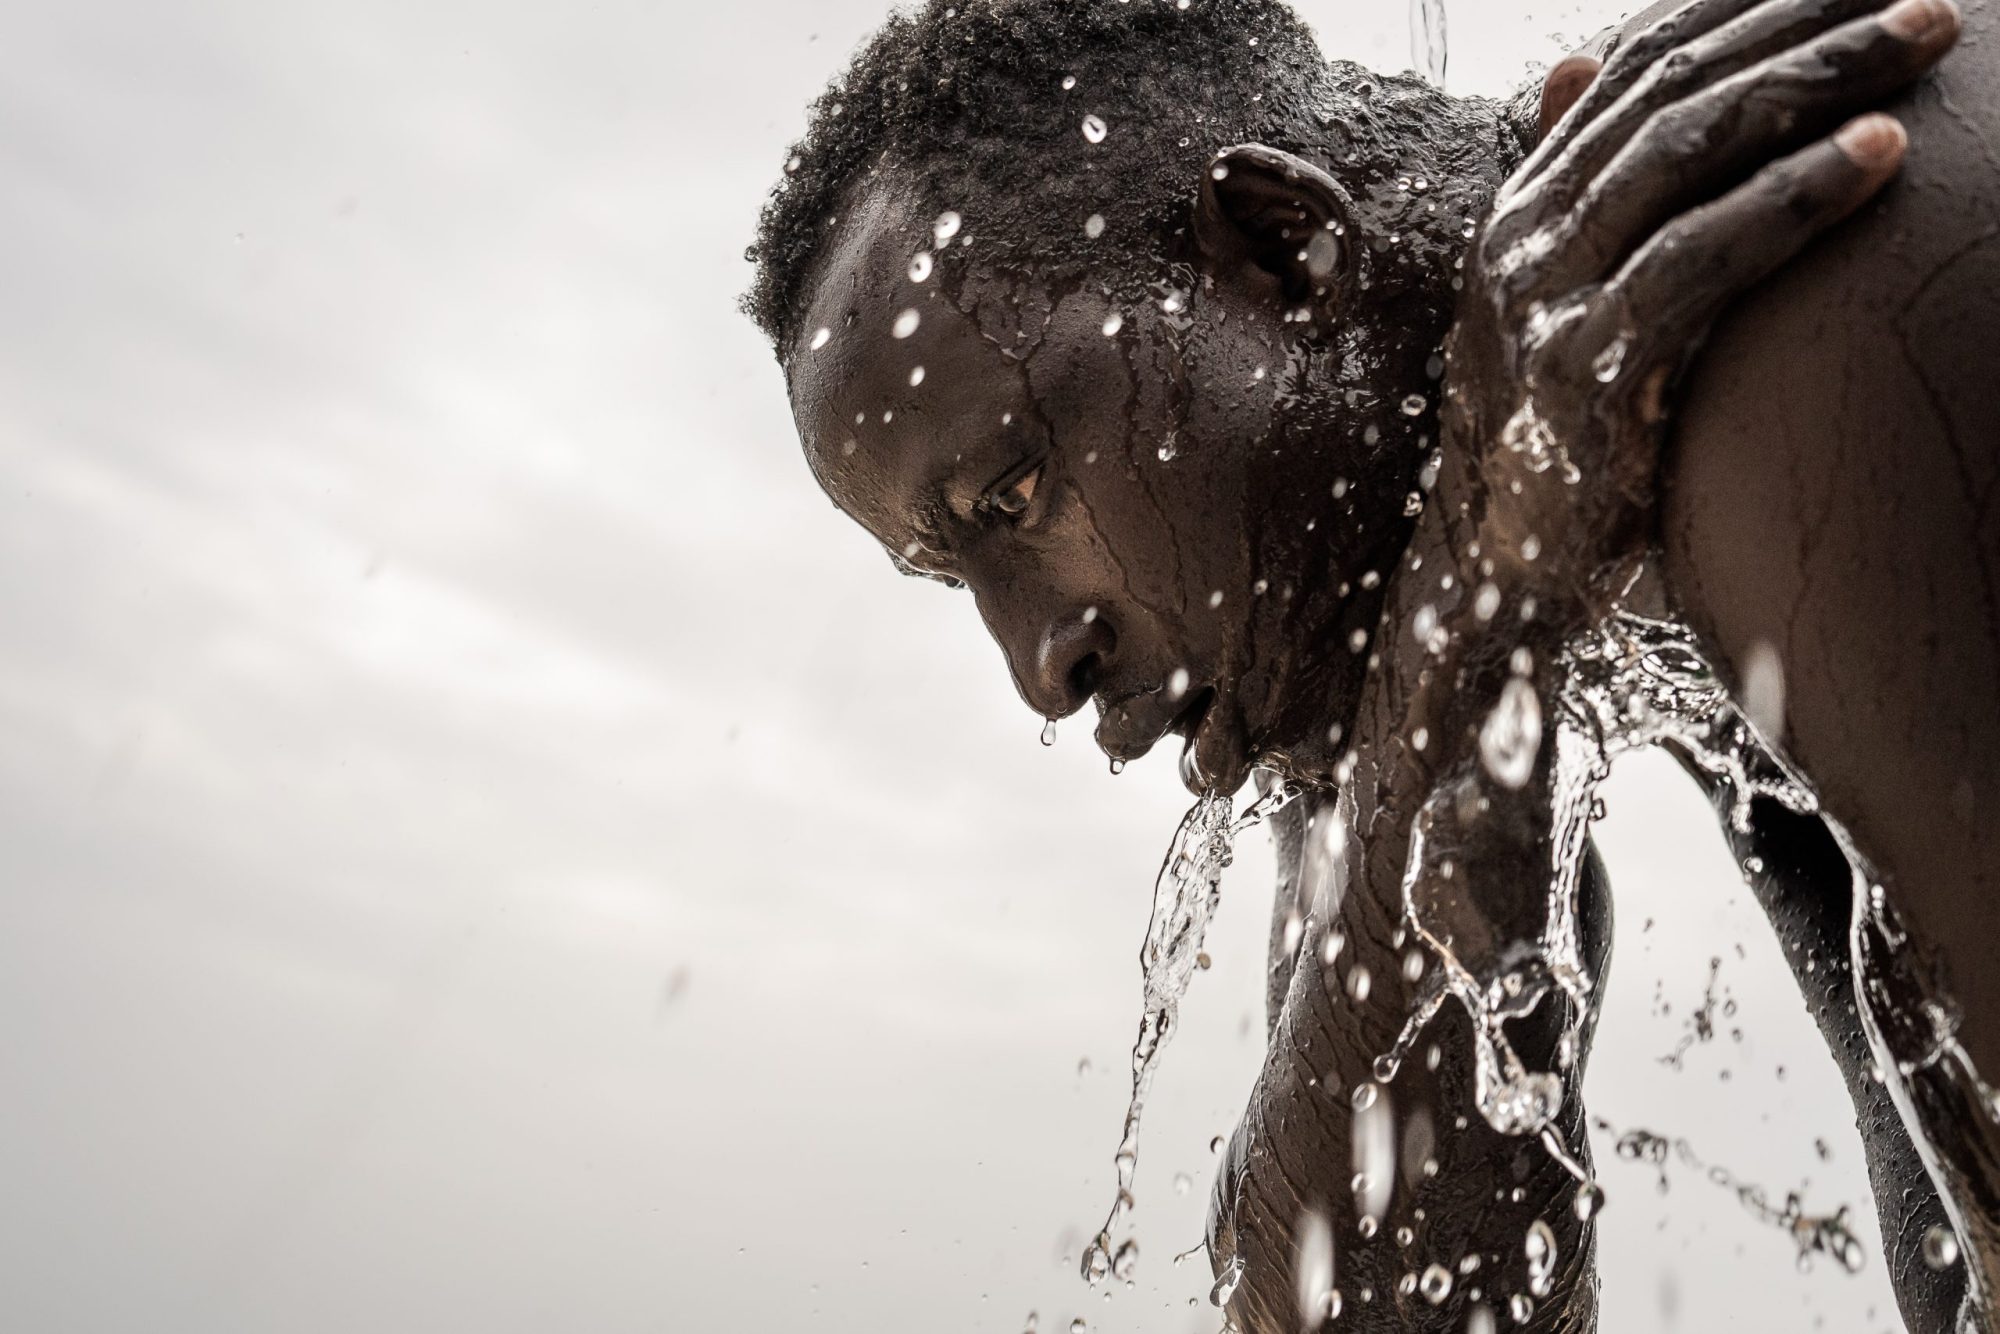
<point x="1159" y="446"/>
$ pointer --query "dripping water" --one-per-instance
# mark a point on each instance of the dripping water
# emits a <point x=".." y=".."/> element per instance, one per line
<point x="1184" y="897"/>
<point x="1629" y="683"/>
<point x="1813" y="1234"/>
<point x="1427" y="40"/>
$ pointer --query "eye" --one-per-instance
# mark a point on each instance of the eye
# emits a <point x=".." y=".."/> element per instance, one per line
<point x="1013" y="498"/>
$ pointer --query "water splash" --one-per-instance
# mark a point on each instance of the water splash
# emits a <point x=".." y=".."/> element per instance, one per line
<point x="1184" y="898"/>
<point x="1628" y="683"/>
<point x="1813" y="1234"/>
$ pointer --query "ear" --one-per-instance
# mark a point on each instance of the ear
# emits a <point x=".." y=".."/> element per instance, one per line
<point x="1270" y="215"/>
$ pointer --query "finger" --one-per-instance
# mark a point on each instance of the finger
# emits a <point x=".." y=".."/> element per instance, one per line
<point x="1643" y="53"/>
<point x="1565" y="84"/>
<point x="1626" y="96"/>
<point x="1688" y="152"/>
<point x="1681" y="279"/>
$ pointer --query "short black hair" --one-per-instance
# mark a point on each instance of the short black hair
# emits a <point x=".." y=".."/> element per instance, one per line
<point x="1029" y="116"/>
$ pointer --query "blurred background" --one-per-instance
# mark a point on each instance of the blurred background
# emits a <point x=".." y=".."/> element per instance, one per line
<point x="484" y="845"/>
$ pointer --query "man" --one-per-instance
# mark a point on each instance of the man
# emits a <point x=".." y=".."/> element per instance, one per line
<point x="1131" y="319"/>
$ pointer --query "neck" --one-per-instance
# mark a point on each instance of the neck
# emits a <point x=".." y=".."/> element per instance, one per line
<point x="1421" y="169"/>
<point x="1420" y="166"/>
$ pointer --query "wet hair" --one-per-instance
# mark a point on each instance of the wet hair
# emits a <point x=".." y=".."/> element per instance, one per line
<point x="994" y="108"/>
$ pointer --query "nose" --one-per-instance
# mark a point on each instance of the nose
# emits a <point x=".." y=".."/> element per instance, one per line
<point x="1071" y="657"/>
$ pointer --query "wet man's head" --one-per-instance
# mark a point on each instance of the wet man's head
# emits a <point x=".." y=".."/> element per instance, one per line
<point x="1124" y="315"/>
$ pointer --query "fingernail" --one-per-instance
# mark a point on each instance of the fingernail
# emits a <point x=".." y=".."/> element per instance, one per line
<point x="1913" y="20"/>
<point x="1872" y="139"/>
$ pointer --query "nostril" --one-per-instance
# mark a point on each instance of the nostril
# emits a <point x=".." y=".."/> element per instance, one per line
<point x="1072" y="659"/>
<point x="1083" y="677"/>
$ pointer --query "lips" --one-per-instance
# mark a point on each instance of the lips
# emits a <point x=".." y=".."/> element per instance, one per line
<point x="1214" y="753"/>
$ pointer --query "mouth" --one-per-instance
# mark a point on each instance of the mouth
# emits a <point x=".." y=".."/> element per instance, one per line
<point x="1213" y="751"/>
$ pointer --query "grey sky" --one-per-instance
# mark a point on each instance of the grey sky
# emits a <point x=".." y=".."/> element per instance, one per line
<point x="463" y="860"/>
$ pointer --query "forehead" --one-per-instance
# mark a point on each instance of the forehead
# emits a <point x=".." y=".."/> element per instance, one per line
<point x="892" y="385"/>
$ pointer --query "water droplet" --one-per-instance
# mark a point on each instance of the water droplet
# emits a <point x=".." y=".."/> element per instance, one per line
<point x="1486" y="602"/>
<point x="1117" y="767"/>
<point x="1177" y="683"/>
<point x="1940" y="1247"/>
<point x="1522" y="1307"/>
<point x="1511" y="736"/>
<point x="906" y="324"/>
<point x="1414" y="404"/>
<point x="916" y="376"/>
<point x="946" y="226"/>
<point x="1215" y="599"/>
<point x="1226" y="1282"/>
<point x="1359" y="982"/>
<point x="1314" y="1271"/>
<point x="1540" y="1248"/>
<point x="1215" y="1145"/>
<point x="1435" y="1284"/>
<point x="1049" y="732"/>
<point x="1094" y="128"/>
<point x="1123" y="1263"/>
<point x="1093" y="226"/>
<point x="1606" y="365"/>
<point x="1096" y="1260"/>
<point x="1077" y="1326"/>
<point x="1068" y="82"/>
<point x="1113" y="323"/>
<point x="820" y="339"/>
<point x="1183" y="1183"/>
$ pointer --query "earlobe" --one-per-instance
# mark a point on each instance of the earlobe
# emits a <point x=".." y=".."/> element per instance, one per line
<point x="1264" y="211"/>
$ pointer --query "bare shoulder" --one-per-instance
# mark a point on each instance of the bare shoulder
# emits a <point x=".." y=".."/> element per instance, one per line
<point x="1833" y="507"/>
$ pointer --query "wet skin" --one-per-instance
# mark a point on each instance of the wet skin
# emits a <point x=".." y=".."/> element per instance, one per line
<point x="1025" y="464"/>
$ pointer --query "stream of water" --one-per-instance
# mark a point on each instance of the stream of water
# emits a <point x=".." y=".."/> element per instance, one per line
<point x="1184" y="897"/>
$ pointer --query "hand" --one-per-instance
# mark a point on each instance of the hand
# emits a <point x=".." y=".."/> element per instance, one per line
<point x="1628" y="230"/>
<point x="1699" y="160"/>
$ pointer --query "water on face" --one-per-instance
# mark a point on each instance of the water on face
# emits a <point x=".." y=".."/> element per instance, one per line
<point x="1184" y="897"/>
